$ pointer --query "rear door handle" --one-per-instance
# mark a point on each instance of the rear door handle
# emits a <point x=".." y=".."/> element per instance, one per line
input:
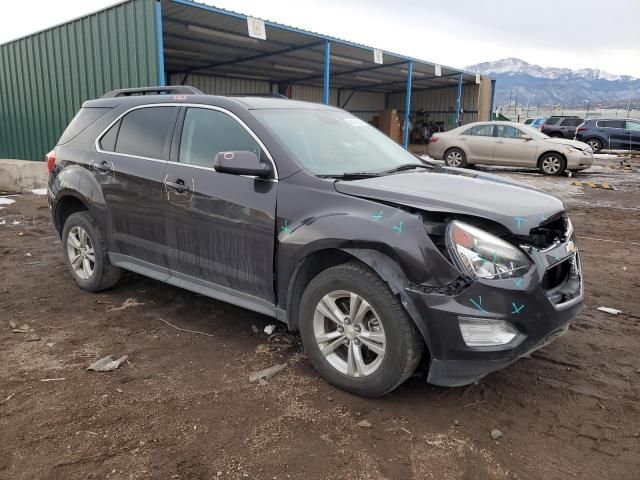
<point x="179" y="186"/>
<point x="103" y="167"/>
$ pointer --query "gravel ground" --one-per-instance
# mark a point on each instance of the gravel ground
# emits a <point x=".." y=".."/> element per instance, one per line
<point x="182" y="405"/>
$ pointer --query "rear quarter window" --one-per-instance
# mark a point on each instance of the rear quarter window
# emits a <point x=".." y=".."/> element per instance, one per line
<point x="83" y="120"/>
<point x="572" y="122"/>
<point x="551" y="121"/>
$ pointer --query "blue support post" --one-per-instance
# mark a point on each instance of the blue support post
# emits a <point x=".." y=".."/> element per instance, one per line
<point x="407" y="105"/>
<point x="458" y="100"/>
<point x="160" y="44"/>
<point x="327" y="63"/>
<point x="493" y="94"/>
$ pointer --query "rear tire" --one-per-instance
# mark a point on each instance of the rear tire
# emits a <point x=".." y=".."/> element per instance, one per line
<point x="369" y="352"/>
<point x="86" y="254"/>
<point x="455" y="157"/>
<point x="595" y="144"/>
<point x="552" y="164"/>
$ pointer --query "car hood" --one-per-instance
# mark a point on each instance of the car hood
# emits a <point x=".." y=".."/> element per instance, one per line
<point x="568" y="143"/>
<point x="515" y="205"/>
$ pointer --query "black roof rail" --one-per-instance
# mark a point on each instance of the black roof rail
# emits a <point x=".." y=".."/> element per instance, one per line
<point x="266" y="95"/>
<point x="170" y="89"/>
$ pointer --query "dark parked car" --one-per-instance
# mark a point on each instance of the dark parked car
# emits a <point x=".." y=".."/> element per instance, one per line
<point x="561" y="127"/>
<point x="610" y="133"/>
<point x="305" y="213"/>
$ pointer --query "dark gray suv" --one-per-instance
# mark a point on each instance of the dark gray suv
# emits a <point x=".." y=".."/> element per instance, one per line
<point x="610" y="133"/>
<point x="307" y="214"/>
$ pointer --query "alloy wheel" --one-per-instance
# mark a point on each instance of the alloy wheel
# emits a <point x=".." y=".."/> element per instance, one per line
<point x="349" y="333"/>
<point x="81" y="253"/>
<point x="551" y="165"/>
<point x="594" y="144"/>
<point x="454" y="159"/>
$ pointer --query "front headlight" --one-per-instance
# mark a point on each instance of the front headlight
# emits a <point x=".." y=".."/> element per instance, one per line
<point x="482" y="255"/>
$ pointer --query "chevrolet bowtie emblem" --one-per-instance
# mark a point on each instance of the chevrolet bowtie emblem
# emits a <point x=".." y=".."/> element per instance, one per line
<point x="571" y="247"/>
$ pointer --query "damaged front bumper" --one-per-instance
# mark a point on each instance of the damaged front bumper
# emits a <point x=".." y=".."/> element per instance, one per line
<point x="534" y="308"/>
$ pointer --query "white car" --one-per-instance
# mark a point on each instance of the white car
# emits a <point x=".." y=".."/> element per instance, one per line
<point x="510" y="144"/>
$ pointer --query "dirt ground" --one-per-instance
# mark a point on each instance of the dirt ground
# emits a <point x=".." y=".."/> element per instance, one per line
<point x="182" y="405"/>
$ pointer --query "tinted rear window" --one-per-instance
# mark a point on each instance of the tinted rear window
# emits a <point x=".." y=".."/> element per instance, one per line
<point x="551" y="121"/>
<point x="83" y="120"/>
<point x="611" y="123"/>
<point x="146" y="132"/>
<point x="572" y="122"/>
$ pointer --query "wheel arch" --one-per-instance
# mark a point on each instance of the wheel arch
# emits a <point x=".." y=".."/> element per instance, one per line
<point x="67" y="204"/>
<point x="388" y="269"/>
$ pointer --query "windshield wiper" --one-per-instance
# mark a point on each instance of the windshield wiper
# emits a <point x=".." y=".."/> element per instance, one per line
<point x="407" y="166"/>
<point x="351" y="175"/>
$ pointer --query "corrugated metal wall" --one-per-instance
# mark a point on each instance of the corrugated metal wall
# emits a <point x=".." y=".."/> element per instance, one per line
<point x="441" y="104"/>
<point x="45" y="77"/>
<point x="222" y="85"/>
<point x="362" y="104"/>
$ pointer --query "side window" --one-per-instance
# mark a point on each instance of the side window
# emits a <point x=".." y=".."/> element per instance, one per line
<point x="506" y="131"/>
<point x="528" y="121"/>
<point x="551" y="121"/>
<point x="480" y="131"/>
<point x="612" y="124"/>
<point x="572" y="122"/>
<point x="633" y="126"/>
<point x="207" y="132"/>
<point x="108" y="140"/>
<point x="146" y="132"/>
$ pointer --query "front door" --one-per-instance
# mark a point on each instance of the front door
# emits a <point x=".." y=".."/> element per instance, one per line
<point x="513" y="150"/>
<point x="220" y="227"/>
<point x="130" y="166"/>
<point x="633" y="129"/>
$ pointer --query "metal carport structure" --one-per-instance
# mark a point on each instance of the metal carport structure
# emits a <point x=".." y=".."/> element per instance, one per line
<point x="45" y="77"/>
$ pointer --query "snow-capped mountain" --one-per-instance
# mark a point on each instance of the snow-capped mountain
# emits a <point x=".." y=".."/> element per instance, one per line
<point x="554" y="86"/>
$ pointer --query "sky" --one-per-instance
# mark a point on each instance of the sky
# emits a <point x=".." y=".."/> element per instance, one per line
<point x="550" y="33"/>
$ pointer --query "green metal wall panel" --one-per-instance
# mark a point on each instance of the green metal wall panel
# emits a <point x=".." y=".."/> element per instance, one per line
<point x="45" y="77"/>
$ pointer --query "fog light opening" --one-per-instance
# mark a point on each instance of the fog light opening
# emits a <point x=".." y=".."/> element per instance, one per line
<point x="482" y="332"/>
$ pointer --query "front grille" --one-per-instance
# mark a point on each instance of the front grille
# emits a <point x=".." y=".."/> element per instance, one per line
<point x="563" y="281"/>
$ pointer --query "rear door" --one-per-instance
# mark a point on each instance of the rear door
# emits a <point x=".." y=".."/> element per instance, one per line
<point x="568" y="126"/>
<point x="220" y="228"/>
<point x="479" y="143"/>
<point x="511" y="149"/>
<point x="618" y="135"/>
<point x="130" y="163"/>
<point x="633" y="128"/>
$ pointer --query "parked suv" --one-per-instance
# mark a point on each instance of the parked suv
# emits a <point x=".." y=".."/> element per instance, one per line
<point x="610" y="133"/>
<point x="561" y="127"/>
<point x="307" y="214"/>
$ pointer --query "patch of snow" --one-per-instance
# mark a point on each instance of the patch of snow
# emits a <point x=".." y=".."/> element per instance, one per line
<point x="39" y="191"/>
<point x="6" y="201"/>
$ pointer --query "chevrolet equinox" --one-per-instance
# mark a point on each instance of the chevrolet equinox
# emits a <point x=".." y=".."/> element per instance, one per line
<point x="307" y="214"/>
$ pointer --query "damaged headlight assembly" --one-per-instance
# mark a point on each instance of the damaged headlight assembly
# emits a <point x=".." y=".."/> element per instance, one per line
<point x="482" y="255"/>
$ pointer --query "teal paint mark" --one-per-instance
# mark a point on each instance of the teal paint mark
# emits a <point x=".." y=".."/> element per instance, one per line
<point x="478" y="304"/>
<point x="377" y="216"/>
<point x="285" y="228"/>
<point x="516" y="309"/>
<point x="495" y="257"/>
<point x="519" y="221"/>
<point x="398" y="228"/>
<point x="518" y="282"/>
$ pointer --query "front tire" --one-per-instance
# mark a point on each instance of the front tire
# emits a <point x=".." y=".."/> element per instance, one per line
<point x="455" y="157"/>
<point x="86" y="255"/>
<point x="552" y="164"/>
<point x="356" y="332"/>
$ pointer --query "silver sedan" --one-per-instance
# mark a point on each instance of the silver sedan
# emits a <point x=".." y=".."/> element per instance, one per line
<point x="511" y="144"/>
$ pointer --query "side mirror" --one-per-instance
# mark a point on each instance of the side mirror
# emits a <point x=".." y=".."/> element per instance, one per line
<point x="526" y="137"/>
<point x="242" y="163"/>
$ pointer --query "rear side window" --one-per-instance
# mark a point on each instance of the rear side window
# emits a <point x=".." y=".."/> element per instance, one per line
<point x="108" y="140"/>
<point x="572" y="122"/>
<point x="207" y="132"/>
<point x="551" y="121"/>
<point x="83" y="120"/>
<point x="480" y="131"/>
<point x="145" y="132"/>
<point x="611" y="124"/>
<point x="528" y="121"/>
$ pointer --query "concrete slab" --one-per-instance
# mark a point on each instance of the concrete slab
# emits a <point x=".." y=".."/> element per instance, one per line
<point x="18" y="176"/>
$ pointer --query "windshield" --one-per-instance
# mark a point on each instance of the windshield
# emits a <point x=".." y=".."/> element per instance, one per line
<point x="334" y="143"/>
<point x="532" y="132"/>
